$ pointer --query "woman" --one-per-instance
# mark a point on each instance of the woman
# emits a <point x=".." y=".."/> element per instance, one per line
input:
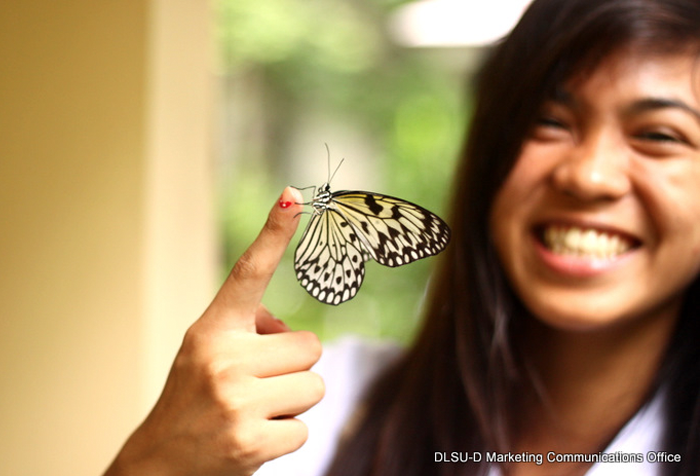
<point x="569" y="300"/>
<point x="564" y="318"/>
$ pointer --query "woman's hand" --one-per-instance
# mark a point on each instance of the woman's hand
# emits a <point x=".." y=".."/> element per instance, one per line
<point x="238" y="381"/>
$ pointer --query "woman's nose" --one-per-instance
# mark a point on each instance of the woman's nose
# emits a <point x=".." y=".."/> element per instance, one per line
<point x="594" y="169"/>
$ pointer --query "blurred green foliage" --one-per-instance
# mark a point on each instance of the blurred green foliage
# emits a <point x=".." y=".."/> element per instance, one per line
<point x="334" y="59"/>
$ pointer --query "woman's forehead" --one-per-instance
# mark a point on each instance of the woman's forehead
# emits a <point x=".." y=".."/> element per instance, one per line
<point x="635" y="72"/>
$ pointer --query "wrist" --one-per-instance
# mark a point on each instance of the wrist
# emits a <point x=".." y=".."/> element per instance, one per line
<point x="135" y="460"/>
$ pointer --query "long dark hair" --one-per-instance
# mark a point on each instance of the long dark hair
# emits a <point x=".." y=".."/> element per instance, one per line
<point x="456" y="388"/>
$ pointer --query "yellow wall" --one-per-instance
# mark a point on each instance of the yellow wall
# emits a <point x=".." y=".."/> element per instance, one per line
<point x="106" y="236"/>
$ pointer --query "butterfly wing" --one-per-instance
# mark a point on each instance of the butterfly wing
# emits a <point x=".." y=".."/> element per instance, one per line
<point x="329" y="260"/>
<point x="395" y="232"/>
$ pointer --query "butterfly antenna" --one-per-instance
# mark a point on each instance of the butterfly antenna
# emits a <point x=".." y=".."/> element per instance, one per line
<point x="336" y="169"/>
<point x="328" y="161"/>
<point x="330" y="176"/>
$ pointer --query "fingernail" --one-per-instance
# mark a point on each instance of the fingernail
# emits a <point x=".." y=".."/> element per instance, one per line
<point x="283" y="324"/>
<point x="290" y="196"/>
<point x="295" y="195"/>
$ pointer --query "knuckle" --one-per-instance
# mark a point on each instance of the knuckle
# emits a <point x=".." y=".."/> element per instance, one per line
<point x="274" y="224"/>
<point x="236" y="405"/>
<point x="194" y="346"/>
<point x="245" y="445"/>
<point x="215" y="371"/>
<point x="247" y="267"/>
<point x="206" y="379"/>
<point x="209" y="376"/>
<point x="232" y="392"/>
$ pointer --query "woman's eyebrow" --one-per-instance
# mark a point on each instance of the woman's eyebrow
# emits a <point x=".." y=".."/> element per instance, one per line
<point x="651" y="104"/>
<point x="561" y="95"/>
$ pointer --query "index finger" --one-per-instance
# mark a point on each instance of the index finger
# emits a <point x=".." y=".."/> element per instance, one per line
<point x="237" y="301"/>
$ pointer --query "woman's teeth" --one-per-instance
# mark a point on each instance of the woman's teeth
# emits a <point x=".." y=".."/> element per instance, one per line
<point x="584" y="242"/>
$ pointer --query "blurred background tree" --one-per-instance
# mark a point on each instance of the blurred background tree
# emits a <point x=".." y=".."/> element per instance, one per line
<point x="297" y="74"/>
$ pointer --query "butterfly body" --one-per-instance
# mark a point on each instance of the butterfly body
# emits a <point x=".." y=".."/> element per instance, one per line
<point x="322" y="199"/>
<point x="348" y="228"/>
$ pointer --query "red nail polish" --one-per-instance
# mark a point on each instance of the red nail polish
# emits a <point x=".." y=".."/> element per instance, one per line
<point x="284" y="204"/>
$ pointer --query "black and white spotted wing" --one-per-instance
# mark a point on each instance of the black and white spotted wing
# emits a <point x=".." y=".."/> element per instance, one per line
<point x="348" y="228"/>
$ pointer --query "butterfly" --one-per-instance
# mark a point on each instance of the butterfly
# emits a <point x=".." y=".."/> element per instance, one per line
<point x="349" y="228"/>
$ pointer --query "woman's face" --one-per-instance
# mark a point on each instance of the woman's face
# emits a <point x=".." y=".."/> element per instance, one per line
<point x="599" y="220"/>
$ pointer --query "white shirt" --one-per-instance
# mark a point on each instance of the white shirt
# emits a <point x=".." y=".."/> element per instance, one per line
<point x="350" y="365"/>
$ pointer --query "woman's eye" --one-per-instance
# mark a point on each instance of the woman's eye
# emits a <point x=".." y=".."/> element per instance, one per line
<point x="659" y="136"/>
<point x="662" y="141"/>
<point x="548" y="127"/>
<point x="550" y="121"/>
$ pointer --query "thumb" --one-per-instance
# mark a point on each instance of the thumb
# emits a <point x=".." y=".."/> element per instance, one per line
<point x="236" y="303"/>
<point x="266" y="323"/>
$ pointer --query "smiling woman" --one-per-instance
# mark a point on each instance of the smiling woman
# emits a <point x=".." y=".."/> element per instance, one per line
<point x="599" y="220"/>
